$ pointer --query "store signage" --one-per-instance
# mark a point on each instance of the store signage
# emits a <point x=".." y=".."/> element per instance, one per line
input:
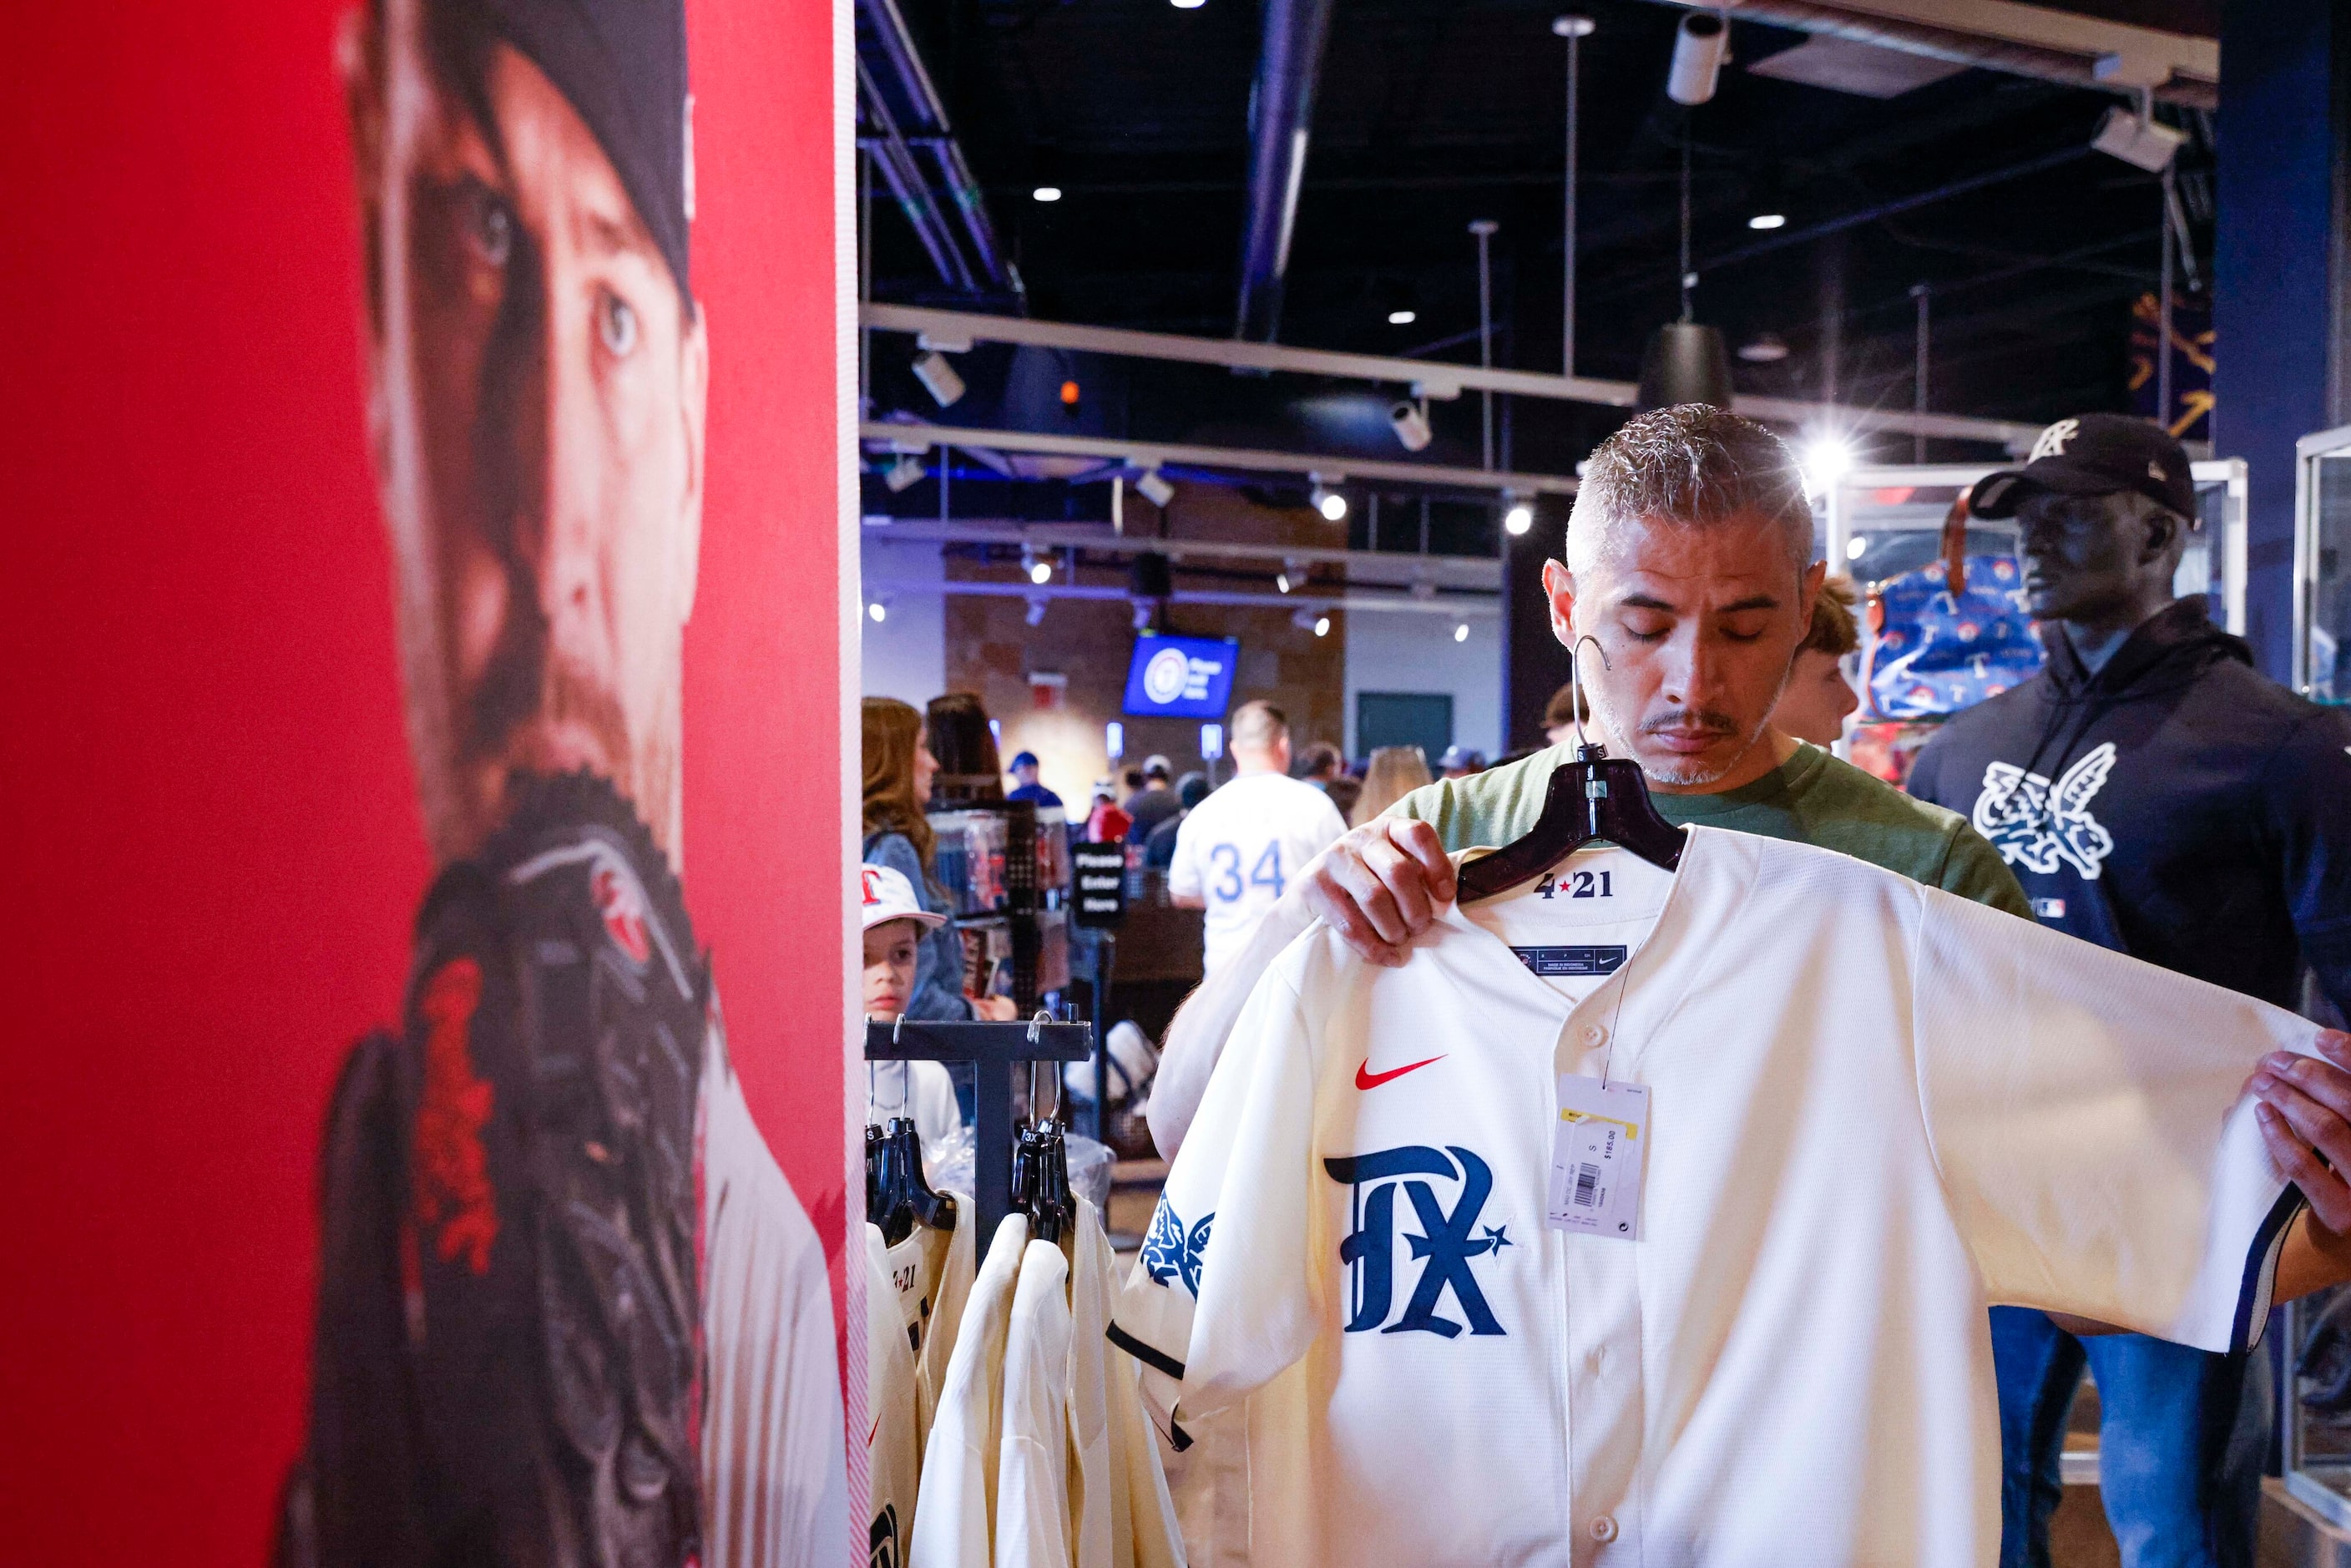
<point x="1100" y="901"/>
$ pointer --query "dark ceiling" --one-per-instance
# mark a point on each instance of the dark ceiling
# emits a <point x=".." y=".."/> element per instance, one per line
<point x="1429" y="116"/>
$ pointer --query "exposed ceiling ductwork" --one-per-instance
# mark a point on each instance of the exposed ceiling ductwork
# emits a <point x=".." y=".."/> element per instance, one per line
<point x="915" y="150"/>
<point x="2021" y="40"/>
<point x="1281" y="112"/>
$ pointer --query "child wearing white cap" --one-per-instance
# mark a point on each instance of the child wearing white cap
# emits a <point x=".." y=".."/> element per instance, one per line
<point x="894" y="922"/>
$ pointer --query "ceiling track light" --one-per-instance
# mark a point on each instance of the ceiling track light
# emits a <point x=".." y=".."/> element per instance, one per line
<point x="905" y="472"/>
<point x="1461" y="632"/>
<point x="1700" y="46"/>
<point x="1040" y="569"/>
<point x="1036" y="608"/>
<point x="1322" y="626"/>
<point x="1046" y="194"/>
<point x="939" y="377"/>
<point x="1155" y="489"/>
<point x="877" y="612"/>
<point x="1768" y="221"/>
<point x="1329" y="502"/>
<point x="1518" y="515"/>
<point x="1409" y="419"/>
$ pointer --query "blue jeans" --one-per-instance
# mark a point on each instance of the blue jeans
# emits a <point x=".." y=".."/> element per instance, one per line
<point x="2181" y="1482"/>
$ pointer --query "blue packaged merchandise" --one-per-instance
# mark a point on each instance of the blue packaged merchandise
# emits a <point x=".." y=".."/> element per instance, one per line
<point x="1934" y="652"/>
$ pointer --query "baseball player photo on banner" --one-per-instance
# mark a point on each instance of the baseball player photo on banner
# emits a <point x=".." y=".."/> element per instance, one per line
<point x="570" y="1308"/>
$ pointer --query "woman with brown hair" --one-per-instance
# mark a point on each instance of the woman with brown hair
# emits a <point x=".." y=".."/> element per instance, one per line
<point x="1394" y="772"/>
<point x="899" y="769"/>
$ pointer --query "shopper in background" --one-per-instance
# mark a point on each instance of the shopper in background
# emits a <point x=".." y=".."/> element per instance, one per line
<point x="2158" y="797"/>
<point x="1460" y="762"/>
<point x="1026" y="787"/>
<point x="1344" y="791"/>
<point x="1106" y="823"/>
<point x="1819" y="697"/>
<point x="899" y="773"/>
<point x="1320" y="763"/>
<point x="1159" y="851"/>
<point x="1396" y="771"/>
<point x="965" y="745"/>
<point x="1154" y="803"/>
<point x="895" y="922"/>
<point x="1239" y="849"/>
<point x="1560" y="714"/>
<point x="1130" y="785"/>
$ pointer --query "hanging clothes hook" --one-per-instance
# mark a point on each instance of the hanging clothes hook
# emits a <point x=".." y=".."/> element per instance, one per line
<point x="1575" y="681"/>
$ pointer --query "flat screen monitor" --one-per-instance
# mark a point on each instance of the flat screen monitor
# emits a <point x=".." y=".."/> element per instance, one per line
<point x="1180" y="678"/>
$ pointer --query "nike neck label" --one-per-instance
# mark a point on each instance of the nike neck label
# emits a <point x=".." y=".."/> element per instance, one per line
<point x="1572" y="960"/>
<point x="1367" y="1079"/>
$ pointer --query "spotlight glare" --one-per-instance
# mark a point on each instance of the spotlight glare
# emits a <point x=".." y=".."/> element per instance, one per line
<point x="1281" y="581"/>
<point x="1041" y="574"/>
<point x="877" y="612"/>
<point x="1461" y="632"/>
<point x="1403" y="317"/>
<point x="1768" y="221"/>
<point x="1855" y="547"/>
<point x="1046" y="194"/>
<point x="1520" y="517"/>
<point x="1322" y="626"/>
<point x="1828" y="459"/>
<point x="1188" y="4"/>
<point x="1331" y="503"/>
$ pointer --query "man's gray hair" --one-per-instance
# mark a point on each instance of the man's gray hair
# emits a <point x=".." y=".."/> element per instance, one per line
<point x="1691" y="466"/>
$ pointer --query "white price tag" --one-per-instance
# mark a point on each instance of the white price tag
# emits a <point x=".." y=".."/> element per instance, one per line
<point x="1597" y="1154"/>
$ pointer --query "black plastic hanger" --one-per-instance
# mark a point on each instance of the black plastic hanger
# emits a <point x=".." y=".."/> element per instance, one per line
<point x="1594" y="796"/>
<point x="934" y="1209"/>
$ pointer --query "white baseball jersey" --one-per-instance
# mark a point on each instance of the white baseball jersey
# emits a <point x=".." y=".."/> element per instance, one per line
<point x="1032" y="1485"/>
<point x="955" y="1514"/>
<point x="914" y="1295"/>
<point x="775" y="1468"/>
<point x="1873" y="1110"/>
<point x="894" y="1460"/>
<point x="1239" y="849"/>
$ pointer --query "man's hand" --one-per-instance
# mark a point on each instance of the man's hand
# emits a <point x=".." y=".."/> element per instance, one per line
<point x="2305" y="1114"/>
<point x="1381" y="884"/>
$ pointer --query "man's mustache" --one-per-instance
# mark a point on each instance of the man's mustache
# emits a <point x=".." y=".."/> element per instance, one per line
<point x="1697" y="721"/>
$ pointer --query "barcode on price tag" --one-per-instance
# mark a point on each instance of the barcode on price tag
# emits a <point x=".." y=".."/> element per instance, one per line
<point x="1597" y="1152"/>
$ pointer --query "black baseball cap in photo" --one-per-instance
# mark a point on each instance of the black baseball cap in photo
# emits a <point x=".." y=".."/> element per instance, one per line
<point x="621" y="64"/>
<point x="2094" y="454"/>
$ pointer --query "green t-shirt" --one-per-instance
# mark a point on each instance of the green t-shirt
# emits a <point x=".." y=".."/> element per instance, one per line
<point x="1812" y="799"/>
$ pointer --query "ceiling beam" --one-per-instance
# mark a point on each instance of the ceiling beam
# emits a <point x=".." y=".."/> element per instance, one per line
<point x="951" y="328"/>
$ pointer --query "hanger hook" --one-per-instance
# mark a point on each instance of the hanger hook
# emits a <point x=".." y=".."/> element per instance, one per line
<point x="1575" y="681"/>
<point x="898" y="1031"/>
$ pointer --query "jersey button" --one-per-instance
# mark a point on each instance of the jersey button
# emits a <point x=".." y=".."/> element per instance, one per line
<point x="1593" y="1034"/>
<point x="1604" y="1530"/>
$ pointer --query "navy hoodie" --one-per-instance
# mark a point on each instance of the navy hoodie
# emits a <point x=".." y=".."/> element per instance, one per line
<point x="2177" y="806"/>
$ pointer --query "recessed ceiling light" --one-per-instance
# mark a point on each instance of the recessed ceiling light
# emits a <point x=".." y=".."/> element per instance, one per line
<point x="1768" y="221"/>
<point x="1188" y="4"/>
<point x="1047" y="193"/>
<point x="1403" y="317"/>
<point x="1766" y="348"/>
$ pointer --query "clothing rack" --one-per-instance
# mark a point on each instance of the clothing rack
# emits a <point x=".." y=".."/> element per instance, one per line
<point x="992" y="1049"/>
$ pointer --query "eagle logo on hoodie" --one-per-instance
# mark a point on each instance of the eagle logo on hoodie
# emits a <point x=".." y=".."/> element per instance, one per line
<point x="2038" y="825"/>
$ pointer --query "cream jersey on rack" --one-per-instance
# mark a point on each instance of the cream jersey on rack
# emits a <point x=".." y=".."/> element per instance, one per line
<point x="1239" y="849"/>
<point x="1872" y="1109"/>
<point x="915" y="1294"/>
<point x="954" y="1515"/>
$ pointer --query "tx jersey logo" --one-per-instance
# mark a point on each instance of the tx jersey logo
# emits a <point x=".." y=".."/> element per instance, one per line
<point x="1447" y="1240"/>
<point x="2038" y="825"/>
<point x="1170" y="1252"/>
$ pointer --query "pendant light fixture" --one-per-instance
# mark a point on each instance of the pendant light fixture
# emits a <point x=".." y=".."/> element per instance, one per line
<point x="1684" y="361"/>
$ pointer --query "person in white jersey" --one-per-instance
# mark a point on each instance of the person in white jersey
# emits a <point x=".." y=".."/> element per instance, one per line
<point x="1238" y="850"/>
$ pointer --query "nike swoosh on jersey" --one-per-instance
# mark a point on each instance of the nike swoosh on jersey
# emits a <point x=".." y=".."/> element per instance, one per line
<point x="1367" y="1079"/>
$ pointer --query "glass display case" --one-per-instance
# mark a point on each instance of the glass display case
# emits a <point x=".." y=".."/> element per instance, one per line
<point x="2322" y="567"/>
